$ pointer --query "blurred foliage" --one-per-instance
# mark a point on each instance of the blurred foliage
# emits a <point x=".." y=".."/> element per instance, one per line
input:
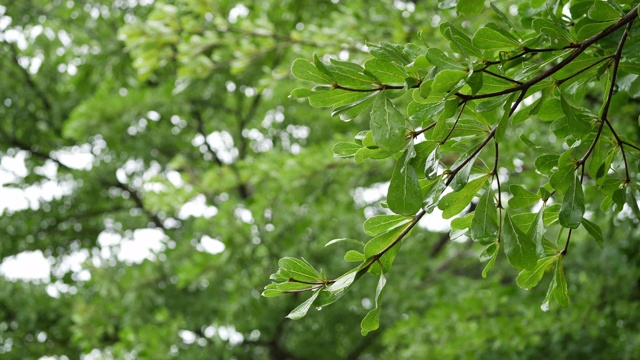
<point x="186" y="101"/>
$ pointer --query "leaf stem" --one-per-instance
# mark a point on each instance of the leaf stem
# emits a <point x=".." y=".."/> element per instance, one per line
<point x="426" y="128"/>
<point x="377" y="256"/>
<point x="464" y="104"/>
<point x="566" y="245"/>
<point x="495" y="173"/>
<point x="501" y="77"/>
<point x="562" y="81"/>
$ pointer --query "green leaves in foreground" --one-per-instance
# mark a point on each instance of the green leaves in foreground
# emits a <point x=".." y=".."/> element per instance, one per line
<point x="454" y="202"/>
<point x="372" y="320"/>
<point x="464" y="98"/>
<point x="484" y="226"/>
<point x="572" y="208"/>
<point x="518" y="246"/>
<point x="297" y="275"/>
<point x="387" y="124"/>
<point x="404" y="196"/>
<point x="558" y="289"/>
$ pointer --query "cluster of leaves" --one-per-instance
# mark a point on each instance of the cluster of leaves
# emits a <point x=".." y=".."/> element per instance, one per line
<point x="460" y="100"/>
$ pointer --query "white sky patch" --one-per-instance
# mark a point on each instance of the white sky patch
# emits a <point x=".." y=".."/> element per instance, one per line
<point x="368" y="195"/>
<point x="434" y="222"/>
<point x="238" y="11"/>
<point x="73" y="263"/>
<point x="77" y="157"/>
<point x="188" y="337"/>
<point x="197" y="207"/>
<point x="144" y="245"/>
<point x="210" y="245"/>
<point x="244" y="215"/>
<point x="17" y="199"/>
<point x="28" y="265"/>
<point x="55" y="289"/>
<point x="13" y="165"/>
<point x="175" y="178"/>
<point x="222" y="143"/>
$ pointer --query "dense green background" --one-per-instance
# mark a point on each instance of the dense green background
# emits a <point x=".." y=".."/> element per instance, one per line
<point x="141" y="84"/>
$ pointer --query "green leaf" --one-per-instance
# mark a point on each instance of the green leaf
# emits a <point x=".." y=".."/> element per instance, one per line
<point x="603" y="170"/>
<point x="354" y="256"/>
<point x="577" y="125"/>
<point x="545" y="163"/>
<point x="502" y="16"/>
<point x="432" y="163"/>
<point x="387" y="259"/>
<point x="489" y="254"/>
<point x="302" y="309"/>
<point x="375" y="153"/>
<point x="350" y="111"/>
<point x="291" y="286"/>
<point x="351" y="75"/>
<point x="305" y="70"/>
<point x="519" y="248"/>
<point x="594" y="231"/>
<point x="572" y="208"/>
<point x="389" y="52"/>
<point x="371" y="321"/>
<point x="522" y="197"/>
<point x="470" y="8"/>
<point x="345" y="149"/>
<point x="460" y="42"/>
<point x="419" y="63"/>
<point x="488" y="38"/>
<point x="561" y="179"/>
<point x="377" y="225"/>
<point x="438" y="58"/>
<point x="475" y="82"/>
<point x="454" y="202"/>
<point x="462" y="177"/>
<point x="462" y="223"/>
<point x="335" y="97"/>
<point x="387" y="124"/>
<point x="528" y="279"/>
<point x="579" y="8"/>
<point x="632" y="201"/>
<point x="446" y="80"/>
<point x="382" y="241"/>
<point x="484" y="226"/>
<point x="602" y="11"/>
<point x="561" y="292"/>
<point x="546" y="304"/>
<point x="322" y="68"/>
<point x="433" y="195"/>
<point x="550" y="110"/>
<point x="591" y="29"/>
<point x="404" y="196"/>
<point x="300" y="93"/>
<point x="386" y="72"/>
<point x="536" y="231"/>
<point x="492" y="104"/>
<point x="503" y="124"/>
<point x="597" y="159"/>
<point x="353" y="241"/>
<point x="558" y="34"/>
<point x="299" y="269"/>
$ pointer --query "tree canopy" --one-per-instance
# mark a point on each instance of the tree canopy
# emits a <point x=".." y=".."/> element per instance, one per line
<point x="488" y="151"/>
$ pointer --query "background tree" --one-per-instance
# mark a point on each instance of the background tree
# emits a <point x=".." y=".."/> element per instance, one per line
<point x="186" y="102"/>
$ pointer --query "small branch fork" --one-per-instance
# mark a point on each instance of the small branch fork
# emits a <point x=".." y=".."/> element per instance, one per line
<point x="604" y="118"/>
